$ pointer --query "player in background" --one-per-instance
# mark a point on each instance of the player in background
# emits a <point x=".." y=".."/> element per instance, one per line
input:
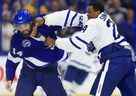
<point x="113" y="51"/>
<point x="39" y="61"/>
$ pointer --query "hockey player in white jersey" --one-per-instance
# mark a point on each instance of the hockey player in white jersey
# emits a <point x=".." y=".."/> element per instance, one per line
<point x="71" y="20"/>
<point x="113" y="51"/>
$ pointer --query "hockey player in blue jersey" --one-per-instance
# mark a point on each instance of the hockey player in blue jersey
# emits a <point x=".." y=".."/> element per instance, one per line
<point x="113" y="52"/>
<point x="39" y="61"/>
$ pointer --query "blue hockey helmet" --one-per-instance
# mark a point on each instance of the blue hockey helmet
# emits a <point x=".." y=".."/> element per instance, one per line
<point x="22" y="16"/>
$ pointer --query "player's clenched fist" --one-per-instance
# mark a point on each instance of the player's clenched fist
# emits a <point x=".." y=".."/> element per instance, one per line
<point x="8" y="85"/>
<point x="39" y="21"/>
<point x="50" y="41"/>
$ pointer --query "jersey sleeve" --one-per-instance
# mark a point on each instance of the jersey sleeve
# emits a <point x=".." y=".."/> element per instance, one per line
<point x="50" y="31"/>
<point x="85" y="18"/>
<point x="46" y="20"/>
<point x="13" y="60"/>
<point x="51" y="19"/>
<point x="61" y="55"/>
<point x="79" y="41"/>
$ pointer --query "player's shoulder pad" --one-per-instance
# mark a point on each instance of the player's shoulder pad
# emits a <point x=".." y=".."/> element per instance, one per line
<point x="16" y="35"/>
<point x="103" y="17"/>
<point x="92" y="22"/>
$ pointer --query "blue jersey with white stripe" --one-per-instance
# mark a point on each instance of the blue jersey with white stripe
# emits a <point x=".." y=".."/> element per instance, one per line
<point x="32" y="50"/>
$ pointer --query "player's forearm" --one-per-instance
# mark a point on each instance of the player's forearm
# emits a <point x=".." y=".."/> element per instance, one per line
<point x="61" y="55"/>
<point x="48" y="31"/>
<point x="11" y="65"/>
<point x="10" y="70"/>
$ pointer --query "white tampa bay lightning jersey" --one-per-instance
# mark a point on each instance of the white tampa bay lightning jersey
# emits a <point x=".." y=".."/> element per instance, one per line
<point x="66" y="18"/>
<point x="102" y="31"/>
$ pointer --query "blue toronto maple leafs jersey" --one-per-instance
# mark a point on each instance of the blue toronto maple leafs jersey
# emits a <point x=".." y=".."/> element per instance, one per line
<point x="33" y="51"/>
